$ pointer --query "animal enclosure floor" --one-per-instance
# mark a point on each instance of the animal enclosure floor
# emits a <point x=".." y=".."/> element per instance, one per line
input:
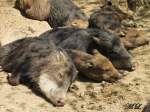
<point x="84" y="96"/>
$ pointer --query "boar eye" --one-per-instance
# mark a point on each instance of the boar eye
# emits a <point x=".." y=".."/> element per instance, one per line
<point x="90" y="64"/>
<point x="74" y="23"/>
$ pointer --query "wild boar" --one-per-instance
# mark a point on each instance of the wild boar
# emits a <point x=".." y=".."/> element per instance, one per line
<point x="56" y="12"/>
<point x="41" y="63"/>
<point x="88" y="39"/>
<point x="96" y="67"/>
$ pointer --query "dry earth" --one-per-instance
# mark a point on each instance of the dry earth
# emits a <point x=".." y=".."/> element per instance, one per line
<point x="84" y="95"/>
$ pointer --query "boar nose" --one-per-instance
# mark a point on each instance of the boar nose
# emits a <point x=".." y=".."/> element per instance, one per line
<point x="129" y="65"/>
<point x="60" y="102"/>
<point x="117" y="76"/>
<point x="133" y="66"/>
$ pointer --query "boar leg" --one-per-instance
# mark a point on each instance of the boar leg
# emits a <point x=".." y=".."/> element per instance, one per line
<point x="13" y="79"/>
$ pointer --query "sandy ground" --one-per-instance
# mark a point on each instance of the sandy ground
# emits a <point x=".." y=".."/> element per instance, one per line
<point x="84" y="95"/>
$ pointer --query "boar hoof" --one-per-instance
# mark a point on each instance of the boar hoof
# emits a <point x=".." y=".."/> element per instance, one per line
<point x="14" y="81"/>
<point x="134" y="66"/>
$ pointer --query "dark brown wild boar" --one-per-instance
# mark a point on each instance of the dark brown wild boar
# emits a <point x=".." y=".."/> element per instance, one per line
<point x="88" y="39"/>
<point x="134" y="38"/>
<point x="56" y="12"/>
<point x="95" y="67"/>
<point x="40" y="63"/>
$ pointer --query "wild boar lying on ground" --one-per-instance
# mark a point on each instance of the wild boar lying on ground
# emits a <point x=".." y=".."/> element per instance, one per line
<point x="88" y="39"/>
<point x="41" y="63"/>
<point x="109" y="17"/>
<point x="134" y="38"/>
<point x="56" y="12"/>
<point x="95" y="67"/>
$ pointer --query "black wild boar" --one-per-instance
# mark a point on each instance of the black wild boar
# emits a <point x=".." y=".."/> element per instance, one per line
<point x="41" y="63"/>
<point x="112" y="47"/>
<point x="94" y="66"/>
<point x="105" y="20"/>
<point x="88" y="39"/>
<point x="109" y="17"/>
<point x="56" y="12"/>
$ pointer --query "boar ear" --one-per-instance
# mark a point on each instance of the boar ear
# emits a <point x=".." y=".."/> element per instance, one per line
<point x="60" y="56"/>
<point x="97" y="40"/>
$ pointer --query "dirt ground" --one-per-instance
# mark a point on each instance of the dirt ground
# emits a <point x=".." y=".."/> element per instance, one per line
<point x="84" y="95"/>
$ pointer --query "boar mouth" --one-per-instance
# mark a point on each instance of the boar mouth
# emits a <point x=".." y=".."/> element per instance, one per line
<point x="57" y="98"/>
